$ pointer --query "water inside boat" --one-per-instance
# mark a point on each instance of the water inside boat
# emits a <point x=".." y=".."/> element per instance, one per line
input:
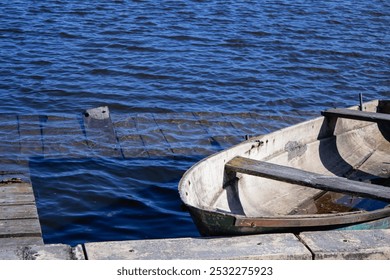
<point x="331" y="202"/>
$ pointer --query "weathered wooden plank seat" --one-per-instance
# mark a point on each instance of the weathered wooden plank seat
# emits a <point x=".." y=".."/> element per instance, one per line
<point x="357" y="115"/>
<point x="305" y="178"/>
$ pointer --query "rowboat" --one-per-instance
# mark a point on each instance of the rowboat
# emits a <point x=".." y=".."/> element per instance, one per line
<point x="331" y="172"/>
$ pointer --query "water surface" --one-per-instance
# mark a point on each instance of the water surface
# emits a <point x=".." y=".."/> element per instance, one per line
<point x="279" y="59"/>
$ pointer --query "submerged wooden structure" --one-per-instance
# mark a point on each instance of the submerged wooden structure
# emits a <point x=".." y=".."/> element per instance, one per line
<point x="327" y="173"/>
<point x="96" y="133"/>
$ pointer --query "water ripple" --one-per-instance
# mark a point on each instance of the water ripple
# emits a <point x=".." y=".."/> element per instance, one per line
<point x="284" y="59"/>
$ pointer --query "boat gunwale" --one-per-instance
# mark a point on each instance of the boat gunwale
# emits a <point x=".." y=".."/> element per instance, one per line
<point x="339" y="218"/>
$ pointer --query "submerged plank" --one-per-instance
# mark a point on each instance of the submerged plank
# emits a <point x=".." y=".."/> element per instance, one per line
<point x="357" y="115"/>
<point x="30" y="131"/>
<point x="129" y="139"/>
<point x="152" y="136"/>
<point x="184" y="133"/>
<point x="9" y="136"/>
<point x="218" y="130"/>
<point x="100" y="132"/>
<point x="305" y="178"/>
<point x="63" y="137"/>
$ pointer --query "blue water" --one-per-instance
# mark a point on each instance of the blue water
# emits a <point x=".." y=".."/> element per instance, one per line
<point x="284" y="58"/>
<point x="82" y="200"/>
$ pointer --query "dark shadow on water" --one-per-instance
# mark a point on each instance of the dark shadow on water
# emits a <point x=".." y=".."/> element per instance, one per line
<point x="104" y="199"/>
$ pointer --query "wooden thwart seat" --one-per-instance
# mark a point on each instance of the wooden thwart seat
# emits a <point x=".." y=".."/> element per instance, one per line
<point x="357" y="115"/>
<point x="305" y="178"/>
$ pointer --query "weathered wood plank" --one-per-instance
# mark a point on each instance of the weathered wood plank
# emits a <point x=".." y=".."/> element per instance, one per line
<point x="20" y="228"/>
<point x="11" y="253"/>
<point x="100" y="133"/>
<point x="48" y="252"/>
<point x="10" y="212"/>
<point x="13" y="242"/>
<point x="16" y="193"/>
<point x="349" y="244"/>
<point x="305" y="178"/>
<point x="11" y="199"/>
<point x="15" y="188"/>
<point x="271" y="247"/>
<point x="41" y="252"/>
<point x="357" y="115"/>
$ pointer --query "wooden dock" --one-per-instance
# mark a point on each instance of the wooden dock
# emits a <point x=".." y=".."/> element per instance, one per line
<point x="97" y="133"/>
<point x="19" y="222"/>
<point x="323" y="245"/>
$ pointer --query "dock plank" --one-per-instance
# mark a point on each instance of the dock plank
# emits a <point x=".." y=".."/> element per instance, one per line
<point x="19" y="221"/>
<point x="40" y="252"/>
<point x="12" y="242"/>
<point x="16" y="193"/>
<point x="271" y="247"/>
<point x="25" y="211"/>
<point x="349" y="244"/>
<point x="12" y="199"/>
<point x="15" y="188"/>
<point x="20" y="228"/>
